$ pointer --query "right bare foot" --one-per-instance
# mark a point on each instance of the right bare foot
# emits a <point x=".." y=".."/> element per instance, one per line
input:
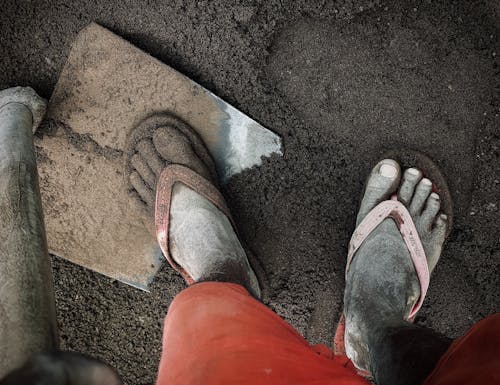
<point x="381" y="284"/>
<point x="202" y="239"/>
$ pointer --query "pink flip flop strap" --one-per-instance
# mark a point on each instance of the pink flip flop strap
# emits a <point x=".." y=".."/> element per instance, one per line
<point x="172" y="174"/>
<point x="398" y="212"/>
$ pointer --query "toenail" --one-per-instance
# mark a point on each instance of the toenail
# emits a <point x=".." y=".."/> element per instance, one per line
<point x="413" y="171"/>
<point x="426" y="181"/>
<point x="388" y="170"/>
<point x="434" y="196"/>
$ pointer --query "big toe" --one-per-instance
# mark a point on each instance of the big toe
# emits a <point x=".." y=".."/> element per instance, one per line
<point x="382" y="183"/>
<point x="175" y="147"/>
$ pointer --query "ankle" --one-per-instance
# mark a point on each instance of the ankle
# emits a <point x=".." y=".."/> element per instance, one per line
<point x="403" y="353"/>
<point x="230" y="271"/>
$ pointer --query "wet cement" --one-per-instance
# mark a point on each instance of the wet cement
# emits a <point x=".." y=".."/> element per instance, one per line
<point x="342" y="83"/>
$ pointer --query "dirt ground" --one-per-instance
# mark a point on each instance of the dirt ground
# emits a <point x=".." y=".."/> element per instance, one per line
<point x="342" y="82"/>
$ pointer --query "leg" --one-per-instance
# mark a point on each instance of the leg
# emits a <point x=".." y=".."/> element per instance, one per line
<point x="405" y="353"/>
<point x="382" y="284"/>
<point x="216" y="334"/>
<point x="215" y="331"/>
<point x="27" y="311"/>
<point x="473" y="358"/>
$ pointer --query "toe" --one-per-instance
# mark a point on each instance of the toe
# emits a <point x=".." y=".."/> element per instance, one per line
<point x="175" y="147"/>
<point x="144" y="209"/>
<point x="148" y="152"/>
<point x="382" y="183"/>
<point x="432" y="207"/>
<point x="168" y="141"/>
<point x="145" y="193"/>
<point x="438" y="236"/>
<point x="411" y="178"/>
<point x="141" y="166"/>
<point x="422" y="191"/>
<point x="441" y="225"/>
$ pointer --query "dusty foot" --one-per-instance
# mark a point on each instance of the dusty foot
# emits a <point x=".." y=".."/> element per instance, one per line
<point x="202" y="239"/>
<point x="381" y="284"/>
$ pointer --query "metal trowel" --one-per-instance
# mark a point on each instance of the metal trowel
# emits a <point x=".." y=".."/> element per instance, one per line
<point x="106" y="88"/>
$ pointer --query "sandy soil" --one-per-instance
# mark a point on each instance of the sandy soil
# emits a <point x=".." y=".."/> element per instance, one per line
<point x="342" y="83"/>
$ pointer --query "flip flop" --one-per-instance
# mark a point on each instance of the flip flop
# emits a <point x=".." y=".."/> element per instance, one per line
<point x="177" y="173"/>
<point x="172" y="174"/>
<point x="399" y="213"/>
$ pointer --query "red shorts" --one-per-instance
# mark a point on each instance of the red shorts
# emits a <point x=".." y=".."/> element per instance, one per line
<point x="216" y="334"/>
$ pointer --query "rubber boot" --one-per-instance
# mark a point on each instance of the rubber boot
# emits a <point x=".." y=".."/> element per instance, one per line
<point x="27" y="308"/>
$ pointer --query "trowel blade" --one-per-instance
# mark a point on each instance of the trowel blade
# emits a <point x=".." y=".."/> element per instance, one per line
<point x="107" y="87"/>
<point x="239" y="142"/>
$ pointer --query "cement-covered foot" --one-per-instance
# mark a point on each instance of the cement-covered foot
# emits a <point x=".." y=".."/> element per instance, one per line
<point x="29" y="98"/>
<point x="381" y="284"/>
<point x="202" y="239"/>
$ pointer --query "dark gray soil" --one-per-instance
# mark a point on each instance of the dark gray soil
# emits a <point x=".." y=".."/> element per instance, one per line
<point x="342" y="83"/>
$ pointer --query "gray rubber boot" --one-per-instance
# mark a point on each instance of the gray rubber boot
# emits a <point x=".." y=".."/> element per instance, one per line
<point x="27" y="308"/>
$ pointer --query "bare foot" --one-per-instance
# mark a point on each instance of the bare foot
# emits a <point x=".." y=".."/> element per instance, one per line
<point x="202" y="239"/>
<point x="381" y="284"/>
